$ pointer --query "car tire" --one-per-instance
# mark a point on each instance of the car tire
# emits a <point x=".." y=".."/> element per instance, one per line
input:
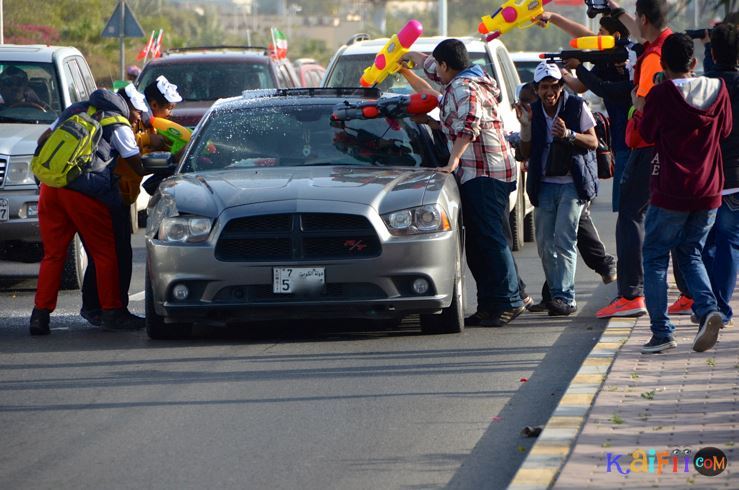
<point x="75" y="265"/>
<point x="529" y="228"/>
<point x="156" y="328"/>
<point x="451" y="319"/>
<point x="517" y="223"/>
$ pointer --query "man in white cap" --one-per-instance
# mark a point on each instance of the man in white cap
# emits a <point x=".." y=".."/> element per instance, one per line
<point x="87" y="206"/>
<point x="558" y="138"/>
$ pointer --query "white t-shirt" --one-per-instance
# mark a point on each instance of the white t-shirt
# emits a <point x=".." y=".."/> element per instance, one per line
<point x="587" y="121"/>
<point x="123" y="140"/>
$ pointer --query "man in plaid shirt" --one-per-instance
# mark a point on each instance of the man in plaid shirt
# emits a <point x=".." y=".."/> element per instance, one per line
<point x="486" y="172"/>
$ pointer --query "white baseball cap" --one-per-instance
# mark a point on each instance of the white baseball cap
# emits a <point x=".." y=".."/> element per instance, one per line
<point x="138" y="101"/>
<point x="544" y="70"/>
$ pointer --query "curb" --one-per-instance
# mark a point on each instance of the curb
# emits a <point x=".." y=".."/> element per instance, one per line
<point x="542" y="465"/>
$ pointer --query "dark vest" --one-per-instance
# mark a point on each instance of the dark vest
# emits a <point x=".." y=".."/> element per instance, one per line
<point x="584" y="166"/>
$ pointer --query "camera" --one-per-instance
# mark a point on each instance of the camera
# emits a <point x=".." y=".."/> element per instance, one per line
<point x="596" y="7"/>
<point x="697" y="33"/>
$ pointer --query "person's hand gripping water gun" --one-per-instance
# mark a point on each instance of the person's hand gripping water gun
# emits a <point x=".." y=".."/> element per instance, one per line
<point x="513" y="13"/>
<point x="389" y="57"/>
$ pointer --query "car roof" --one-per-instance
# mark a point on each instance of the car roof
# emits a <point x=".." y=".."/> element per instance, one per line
<point x="311" y="96"/>
<point x="39" y="53"/>
<point x="423" y="44"/>
<point x="201" y="57"/>
<point x="525" y="56"/>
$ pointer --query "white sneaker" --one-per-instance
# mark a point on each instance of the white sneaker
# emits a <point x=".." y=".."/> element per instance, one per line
<point x="708" y="333"/>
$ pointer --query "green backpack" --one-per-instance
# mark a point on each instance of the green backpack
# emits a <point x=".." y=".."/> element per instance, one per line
<point x="70" y="149"/>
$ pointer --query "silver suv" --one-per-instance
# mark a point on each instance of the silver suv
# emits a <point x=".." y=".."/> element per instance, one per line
<point x="346" y="66"/>
<point x="50" y="79"/>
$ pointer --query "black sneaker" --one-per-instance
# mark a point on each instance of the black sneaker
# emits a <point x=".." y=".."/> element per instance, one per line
<point x="708" y="333"/>
<point x="503" y="318"/>
<point x="475" y="319"/>
<point x="558" y="307"/>
<point x="539" y="307"/>
<point x="658" y="344"/>
<point x="121" y="319"/>
<point x="93" y="317"/>
<point x="39" y="322"/>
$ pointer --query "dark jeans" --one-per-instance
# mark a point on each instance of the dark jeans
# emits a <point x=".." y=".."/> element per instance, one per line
<point x="506" y="224"/>
<point x="721" y="253"/>
<point x="633" y="202"/>
<point x="489" y="257"/>
<point x="591" y="249"/>
<point x="122" y="233"/>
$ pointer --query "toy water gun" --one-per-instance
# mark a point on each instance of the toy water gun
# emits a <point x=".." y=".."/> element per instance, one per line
<point x="178" y="136"/>
<point x="392" y="107"/>
<point x="592" y="49"/>
<point x="513" y="13"/>
<point x="388" y="58"/>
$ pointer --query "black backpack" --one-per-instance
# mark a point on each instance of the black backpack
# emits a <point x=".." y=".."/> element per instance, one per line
<point x="604" y="152"/>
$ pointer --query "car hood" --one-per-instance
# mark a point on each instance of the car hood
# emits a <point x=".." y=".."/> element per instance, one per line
<point x="189" y="114"/>
<point x="20" y="139"/>
<point x="384" y="189"/>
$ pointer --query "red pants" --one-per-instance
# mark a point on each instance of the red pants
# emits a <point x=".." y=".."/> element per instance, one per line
<point x="61" y="214"/>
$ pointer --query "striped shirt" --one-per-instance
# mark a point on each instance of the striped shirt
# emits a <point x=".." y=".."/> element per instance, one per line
<point x="469" y="108"/>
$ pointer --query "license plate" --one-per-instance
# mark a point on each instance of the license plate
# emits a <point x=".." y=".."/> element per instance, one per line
<point x="4" y="210"/>
<point x="288" y="280"/>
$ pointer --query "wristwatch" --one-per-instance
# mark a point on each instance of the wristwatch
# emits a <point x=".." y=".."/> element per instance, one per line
<point x="571" y="136"/>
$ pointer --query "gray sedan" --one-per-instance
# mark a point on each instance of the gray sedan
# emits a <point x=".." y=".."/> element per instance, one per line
<point x="280" y="210"/>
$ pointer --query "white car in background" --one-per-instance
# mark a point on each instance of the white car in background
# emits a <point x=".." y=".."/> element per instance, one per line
<point x="347" y="65"/>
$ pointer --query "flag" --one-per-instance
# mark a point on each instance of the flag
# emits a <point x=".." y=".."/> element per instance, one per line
<point x="278" y="49"/>
<point x="144" y="53"/>
<point x="156" y="50"/>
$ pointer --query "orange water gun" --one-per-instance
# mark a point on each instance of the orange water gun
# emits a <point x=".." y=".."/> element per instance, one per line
<point x="388" y="59"/>
<point x="513" y="13"/>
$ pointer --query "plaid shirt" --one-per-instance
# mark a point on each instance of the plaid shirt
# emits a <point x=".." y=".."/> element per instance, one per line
<point x="469" y="108"/>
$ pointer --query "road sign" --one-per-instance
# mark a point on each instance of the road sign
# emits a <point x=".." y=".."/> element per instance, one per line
<point x="131" y="26"/>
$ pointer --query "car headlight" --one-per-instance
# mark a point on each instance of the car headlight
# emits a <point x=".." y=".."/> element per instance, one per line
<point x="424" y="219"/>
<point x="185" y="229"/>
<point x="18" y="172"/>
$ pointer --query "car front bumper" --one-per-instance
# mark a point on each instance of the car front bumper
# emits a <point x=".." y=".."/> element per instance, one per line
<point x="22" y="224"/>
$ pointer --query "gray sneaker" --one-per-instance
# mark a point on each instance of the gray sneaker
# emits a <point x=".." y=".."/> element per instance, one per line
<point x="708" y="333"/>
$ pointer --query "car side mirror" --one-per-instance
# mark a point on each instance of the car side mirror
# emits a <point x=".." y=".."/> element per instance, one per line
<point x="159" y="162"/>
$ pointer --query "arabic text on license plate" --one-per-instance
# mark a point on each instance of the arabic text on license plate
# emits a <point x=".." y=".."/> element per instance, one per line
<point x="287" y="280"/>
<point x="4" y="210"/>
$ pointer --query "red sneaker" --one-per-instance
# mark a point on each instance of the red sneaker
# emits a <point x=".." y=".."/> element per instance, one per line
<point x="624" y="307"/>
<point x="683" y="306"/>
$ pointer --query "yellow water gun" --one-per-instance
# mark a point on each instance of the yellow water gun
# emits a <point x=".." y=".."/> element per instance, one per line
<point x="513" y="13"/>
<point x="178" y="136"/>
<point x="388" y="58"/>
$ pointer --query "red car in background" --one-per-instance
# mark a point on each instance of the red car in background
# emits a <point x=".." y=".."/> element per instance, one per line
<point x="309" y="71"/>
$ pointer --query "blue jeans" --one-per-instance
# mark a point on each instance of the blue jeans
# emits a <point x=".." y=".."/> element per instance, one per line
<point x="489" y="257"/>
<point x="621" y="157"/>
<point x="556" y="220"/>
<point x="721" y="253"/>
<point x="685" y="234"/>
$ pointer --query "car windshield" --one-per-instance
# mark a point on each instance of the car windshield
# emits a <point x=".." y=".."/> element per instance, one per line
<point x="526" y="70"/>
<point x="29" y="93"/>
<point x="348" y="70"/>
<point x="303" y="135"/>
<point x="210" y="81"/>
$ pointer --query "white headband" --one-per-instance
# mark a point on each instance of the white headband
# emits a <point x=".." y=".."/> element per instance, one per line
<point x="138" y="101"/>
<point x="168" y="90"/>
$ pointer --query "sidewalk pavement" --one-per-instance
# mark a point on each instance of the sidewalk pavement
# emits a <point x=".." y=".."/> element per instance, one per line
<point x="678" y="400"/>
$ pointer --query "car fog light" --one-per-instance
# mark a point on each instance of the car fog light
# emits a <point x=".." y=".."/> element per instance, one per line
<point x="32" y="209"/>
<point x="180" y="292"/>
<point x="420" y="286"/>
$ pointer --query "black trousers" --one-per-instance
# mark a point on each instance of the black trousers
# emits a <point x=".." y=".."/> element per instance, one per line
<point x="120" y="216"/>
<point x="591" y="249"/>
<point x="630" y="224"/>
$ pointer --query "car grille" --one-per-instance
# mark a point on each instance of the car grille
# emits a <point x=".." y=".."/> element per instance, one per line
<point x="264" y="293"/>
<point x="306" y="236"/>
<point x="3" y="167"/>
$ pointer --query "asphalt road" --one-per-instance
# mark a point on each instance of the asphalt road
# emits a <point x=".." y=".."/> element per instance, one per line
<point x="298" y="405"/>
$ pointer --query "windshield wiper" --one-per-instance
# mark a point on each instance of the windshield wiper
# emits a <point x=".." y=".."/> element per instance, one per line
<point x="19" y="120"/>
